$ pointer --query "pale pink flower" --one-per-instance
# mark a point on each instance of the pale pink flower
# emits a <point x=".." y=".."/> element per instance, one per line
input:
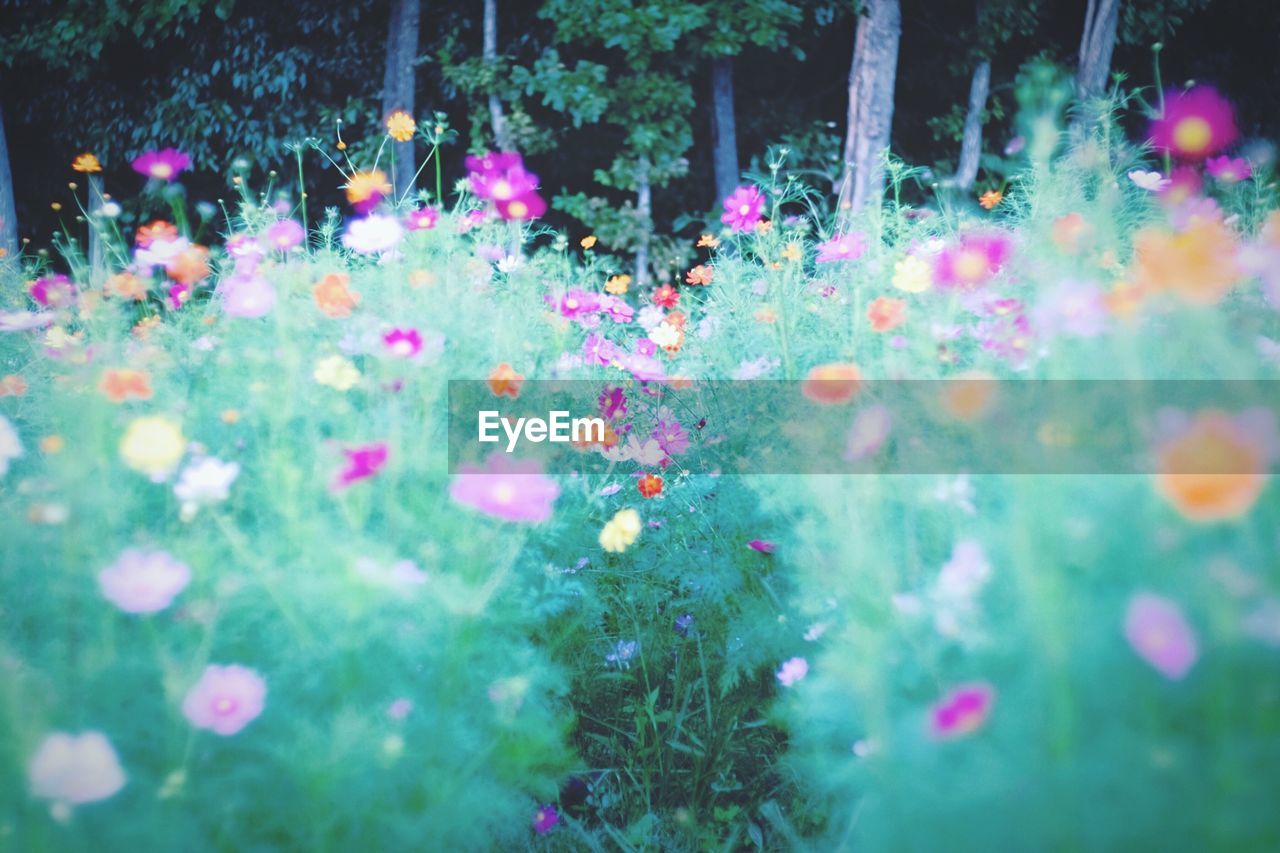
<point x="792" y="671"/>
<point x="511" y="489"/>
<point x="143" y="580"/>
<point x="842" y="247"/>
<point x="225" y="699"/>
<point x="75" y="769"/>
<point x="962" y="711"/>
<point x="1159" y="633"/>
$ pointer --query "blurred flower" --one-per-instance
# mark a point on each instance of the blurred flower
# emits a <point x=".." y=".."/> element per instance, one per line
<point x="700" y="275"/>
<point x="403" y="343"/>
<point x="842" y="247"/>
<point x="618" y="284"/>
<point x="153" y="445"/>
<point x="1072" y="308"/>
<point x="990" y="199"/>
<point x="10" y="445"/>
<point x="366" y="189"/>
<point x="1149" y="181"/>
<point x="373" y="234"/>
<point x="666" y="296"/>
<point x="143" y="580"/>
<point x="12" y="385"/>
<point x="332" y="296"/>
<point x="126" y="285"/>
<point x="1229" y="170"/>
<point x="1213" y="466"/>
<point x="969" y="396"/>
<point x="792" y="671"/>
<point x="588" y="242"/>
<point x="163" y="165"/>
<point x="53" y="291"/>
<point x="1068" y="231"/>
<point x="362" y="462"/>
<point x="205" y="480"/>
<point x="247" y="296"/>
<point x="336" y="372"/>
<point x="1159" y="634"/>
<point x="671" y="437"/>
<point x="620" y="532"/>
<point x="599" y="350"/>
<point x="75" y="769"/>
<point x="708" y="241"/>
<point x="886" y="313"/>
<point x="506" y="488"/>
<point x="578" y="302"/>
<point x="225" y="699"/>
<point x="869" y="432"/>
<point x="742" y="208"/>
<point x="649" y="485"/>
<point x="623" y="652"/>
<point x="545" y="819"/>
<point x="401" y="126"/>
<point x="962" y="711"/>
<point x="285" y="234"/>
<point x="503" y="179"/>
<point x="973" y="261"/>
<point x="505" y="382"/>
<point x="422" y="219"/>
<point x="912" y="275"/>
<point x="1196" y="123"/>
<point x="1197" y="263"/>
<point x="123" y="384"/>
<point x="830" y="384"/>
<point x="762" y="545"/>
<point x="86" y="163"/>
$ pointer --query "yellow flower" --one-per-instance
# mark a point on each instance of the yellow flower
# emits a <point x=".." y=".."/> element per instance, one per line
<point x="401" y="126"/>
<point x="618" y="284"/>
<point x="367" y="186"/>
<point x="52" y="444"/>
<point x="336" y="372"/>
<point x="708" y="241"/>
<point x="792" y="252"/>
<point x="153" y="445"/>
<point x="87" y="163"/>
<point x="588" y="241"/>
<point x="621" y="531"/>
<point x="912" y="275"/>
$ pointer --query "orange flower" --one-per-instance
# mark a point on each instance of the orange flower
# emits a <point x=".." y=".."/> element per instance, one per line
<point x="51" y="445"/>
<point x="142" y="328"/>
<point x="124" y="384"/>
<point x="1212" y="471"/>
<point x="588" y="241"/>
<point x="12" y="386"/>
<point x="677" y="319"/>
<point x="505" y="381"/>
<point x="86" y="163"/>
<point x="189" y="266"/>
<point x="990" y="198"/>
<point x="618" y="284"/>
<point x="126" y="285"/>
<point x="968" y="396"/>
<point x="650" y="485"/>
<point x="701" y="274"/>
<point x="230" y="416"/>
<point x="421" y="278"/>
<point x="886" y="313"/>
<point x="157" y="230"/>
<point x="765" y="314"/>
<point x="1123" y="300"/>
<point x="830" y="384"/>
<point x="367" y="187"/>
<point x="1198" y="264"/>
<point x="764" y="226"/>
<point x="708" y="241"/>
<point x="332" y="296"/>
<point x="1068" y="232"/>
<point x="401" y="126"/>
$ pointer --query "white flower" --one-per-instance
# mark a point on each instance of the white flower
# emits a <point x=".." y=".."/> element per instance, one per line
<point x="160" y="252"/>
<point x="510" y="264"/>
<point x="206" y="480"/>
<point x="664" y="335"/>
<point x="110" y="210"/>
<point x="1149" y="181"/>
<point x="373" y="234"/>
<point x="650" y="316"/>
<point x="74" y="769"/>
<point x="10" y="445"/>
<point x="22" y="321"/>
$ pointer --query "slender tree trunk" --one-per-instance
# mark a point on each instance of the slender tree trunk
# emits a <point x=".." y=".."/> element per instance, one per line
<point x="724" y="132"/>
<point x="398" y="84"/>
<point x="501" y="133"/>
<point x="644" y="207"/>
<point x="1096" y="45"/>
<point x="971" y="142"/>
<point x="8" y="210"/>
<point x="871" y="81"/>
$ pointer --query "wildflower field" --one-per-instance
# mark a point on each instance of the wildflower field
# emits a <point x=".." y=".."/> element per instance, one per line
<point x="263" y="589"/>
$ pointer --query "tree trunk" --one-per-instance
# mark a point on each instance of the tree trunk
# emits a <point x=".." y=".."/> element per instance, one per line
<point x="1096" y="45"/>
<point x="724" y="133"/>
<point x="644" y="207"/>
<point x="871" y="81"/>
<point x="971" y="142"/>
<point x="501" y="133"/>
<point x="398" y="85"/>
<point x="8" y="210"/>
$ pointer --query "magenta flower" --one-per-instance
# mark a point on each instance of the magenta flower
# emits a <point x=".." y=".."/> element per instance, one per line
<point x="962" y="711"/>
<point x="1159" y="633"/>
<point x="972" y="262"/>
<point x="363" y="462"/>
<point x="53" y="291"/>
<point x="285" y="234"/>
<point x="742" y="208"/>
<point x="762" y="545"/>
<point x="247" y="296"/>
<point x="1229" y="170"/>
<point x="506" y="488"/>
<point x="503" y="179"/>
<point x="577" y="302"/>
<point x="528" y="205"/>
<point x="617" y="309"/>
<point x="1196" y="123"/>
<point x="612" y="403"/>
<point x="842" y="247"/>
<point x="545" y="819"/>
<point x="225" y="699"/>
<point x="163" y="165"/>
<point x="179" y="293"/>
<point x="422" y="219"/>
<point x="143" y="580"/>
<point x="792" y="671"/>
<point x="404" y="343"/>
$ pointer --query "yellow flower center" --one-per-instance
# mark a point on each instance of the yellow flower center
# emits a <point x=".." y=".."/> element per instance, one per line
<point x="162" y="170"/>
<point x="744" y="209"/>
<point x="970" y="266"/>
<point x="1192" y="135"/>
<point x="518" y="209"/>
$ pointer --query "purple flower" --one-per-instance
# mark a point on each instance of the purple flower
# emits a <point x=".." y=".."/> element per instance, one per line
<point x="362" y="463"/>
<point x="1229" y="170"/>
<point x="506" y="488"/>
<point x="612" y="403"/>
<point x="962" y="711"/>
<point x="617" y="309"/>
<point x="578" y="302"/>
<point x="683" y="623"/>
<point x="285" y="234"/>
<point x="622" y="653"/>
<point x="599" y="350"/>
<point x="143" y="580"/>
<point x="53" y="291"/>
<point x="247" y="296"/>
<point x="1159" y="633"/>
<point x="225" y="699"/>
<point x="742" y="208"/>
<point x="545" y="819"/>
<point x="842" y="247"/>
<point x="792" y="671"/>
<point x="163" y="165"/>
<point x="671" y="437"/>
<point x="1072" y="308"/>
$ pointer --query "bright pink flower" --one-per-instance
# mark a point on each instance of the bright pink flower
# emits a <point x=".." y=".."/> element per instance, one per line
<point x="405" y="343"/>
<point x="1196" y="123"/>
<point x="792" y="671"/>
<point x="962" y="711"/>
<point x="1229" y="170"/>
<point x="285" y="234"/>
<point x="545" y="819"/>
<point x="179" y="293"/>
<point x="578" y="302"/>
<point x="225" y="699"/>
<point x="842" y="247"/>
<point x="143" y="580"/>
<point x="247" y="296"/>
<point x="422" y="219"/>
<point x="972" y="262"/>
<point x="363" y="462"/>
<point x="762" y="545"/>
<point x="500" y="177"/>
<point x="742" y="208"/>
<point x="1184" y="185"/>
<point x="163" y="165"/>
<point x="511" y="489"/>
<point x="1159" y="633"/>
<point x="525" y="206"/>
<point x="53" y="291"/>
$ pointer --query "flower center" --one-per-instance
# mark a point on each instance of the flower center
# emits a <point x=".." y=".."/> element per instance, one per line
<point x="970" y="266"/>
<point x="162" y="170"/>
<point x="503" y="493"/>
<point x="744" y="209"/>
<point x="518" y="209"/>
<point x="1192" y="135"/>
<point x="224" y="706"/>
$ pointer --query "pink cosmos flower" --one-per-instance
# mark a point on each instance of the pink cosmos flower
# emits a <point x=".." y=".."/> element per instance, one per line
<point x="143" y="580"/>
<point x="247" y="296"/>
<point x="503" y="179"/>
<point x="973" y="261"/>
<point x="962" y="711"/>
<point x="163" y="165"/>
<point x="422" y="219"/>
<point x="599" y="350"/>
<point x="612" y="403"/>
<point x="842" y="247"/>
<point x="1229" y="170"/>
<point x="577" y="302"/>
<point x="742" y="208"/>
<point x="762" y="545"/>
<point x="285" y="234"/>
<point x="1184" y="184"/>
<point x="617" y="309"/>
<point x="671" y="437"/>
<point x="792" y="671"/>
<point x="53" y="291"/>
<point x="528" y="205"/>
<point x="1196" y="123"/>
<point x="545" y="819"/>
<point x="362" y="463"/>
<point x="225" y="699"/>
<point x="1072" y="308"/>
<point x="404" y="343"/>
<point x="1159" y="633"/>
<point x="506" y="488"/>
